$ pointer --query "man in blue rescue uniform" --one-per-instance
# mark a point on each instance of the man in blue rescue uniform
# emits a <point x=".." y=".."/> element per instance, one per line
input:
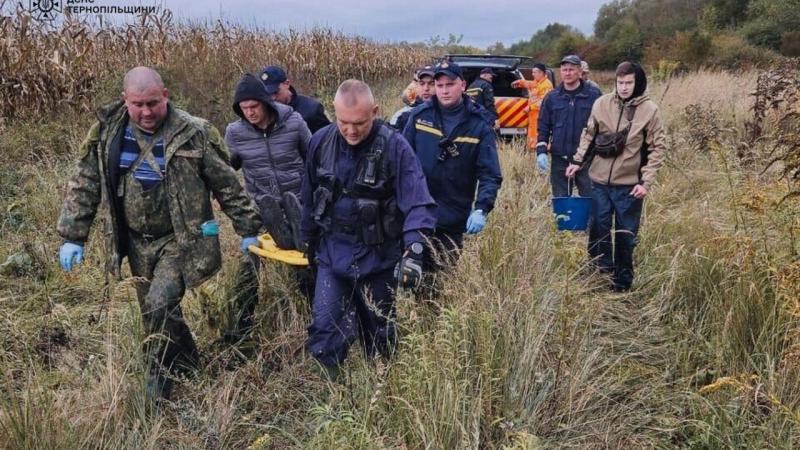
<point x="456" y="147"/>
<point x="366" y="211"/>
<point x="279" y="86"/>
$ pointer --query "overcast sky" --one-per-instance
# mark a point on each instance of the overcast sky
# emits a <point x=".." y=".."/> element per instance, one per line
<point x="482" y="22"/>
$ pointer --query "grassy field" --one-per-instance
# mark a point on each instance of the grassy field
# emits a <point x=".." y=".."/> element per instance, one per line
<point x="522" y="351"/>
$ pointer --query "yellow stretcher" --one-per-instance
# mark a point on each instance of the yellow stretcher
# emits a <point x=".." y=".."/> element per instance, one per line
<point x="269" y="250"/>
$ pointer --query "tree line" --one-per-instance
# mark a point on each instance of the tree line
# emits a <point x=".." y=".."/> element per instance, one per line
<point x="674" y="33"/>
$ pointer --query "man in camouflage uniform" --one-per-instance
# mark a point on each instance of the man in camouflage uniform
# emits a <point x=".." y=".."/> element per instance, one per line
<point x="150" y="169"/>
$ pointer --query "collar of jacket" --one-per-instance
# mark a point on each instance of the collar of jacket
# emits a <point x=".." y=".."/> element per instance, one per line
<point x="469" y="105"/>
<point x="173" y="128"/>
<point x="581" y="90"/>
<point x="281" y="113"/>
<point x="295" y="97"/>
<point x="636" y="101"/>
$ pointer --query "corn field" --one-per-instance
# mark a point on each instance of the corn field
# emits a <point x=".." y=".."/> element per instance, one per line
<point x="523" y="351"/>
<point x="45" y="68"/>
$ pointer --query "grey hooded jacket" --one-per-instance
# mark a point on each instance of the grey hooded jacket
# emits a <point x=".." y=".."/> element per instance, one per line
<point x="272" y="159"/>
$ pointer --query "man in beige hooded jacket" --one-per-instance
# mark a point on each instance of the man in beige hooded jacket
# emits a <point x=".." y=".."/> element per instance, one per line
<point x="620" y="183"/>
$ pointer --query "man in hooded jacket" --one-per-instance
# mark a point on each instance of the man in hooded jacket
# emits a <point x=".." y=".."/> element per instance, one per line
<point x="269" y="143"/>
<point x="621" y="182"/>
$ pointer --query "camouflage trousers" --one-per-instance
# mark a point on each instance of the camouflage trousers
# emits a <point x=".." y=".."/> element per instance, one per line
<point x="156" y="264"/>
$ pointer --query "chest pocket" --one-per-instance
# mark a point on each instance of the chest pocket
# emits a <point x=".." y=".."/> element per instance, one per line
<point x="146" y="211"/>
<point x="145" y="206"/>
<point x="187" y="160"/>
<point x="459" y="165"/>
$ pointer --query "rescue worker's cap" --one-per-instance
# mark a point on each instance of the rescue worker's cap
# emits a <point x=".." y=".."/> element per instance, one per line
<point x="425" y="71"/>
<point x="489" y="71"/>
<point x="571" y="59"/>
<point x="272" y="76"/>
<point x="541" y="67"/>
<point x="452" y="70"/>
<point x="585" y="66"/>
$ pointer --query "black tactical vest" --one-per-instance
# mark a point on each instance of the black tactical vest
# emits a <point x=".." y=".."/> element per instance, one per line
<point x="372" y="189"/>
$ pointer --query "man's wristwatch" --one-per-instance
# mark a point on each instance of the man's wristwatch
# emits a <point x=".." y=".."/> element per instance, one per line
<point x="416" y="248"/>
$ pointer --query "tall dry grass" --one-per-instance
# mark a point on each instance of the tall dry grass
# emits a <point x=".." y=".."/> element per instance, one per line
<point x="48" y="69"/>
<point x="523" y="350"/>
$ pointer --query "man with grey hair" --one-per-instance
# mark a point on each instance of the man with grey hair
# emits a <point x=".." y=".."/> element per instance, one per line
<point x="151" y="169"/>
<point x="366" y="212"/>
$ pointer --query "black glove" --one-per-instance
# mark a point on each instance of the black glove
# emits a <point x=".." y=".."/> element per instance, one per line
<point x="408" y="271"/>
<point x="311" y="250"/>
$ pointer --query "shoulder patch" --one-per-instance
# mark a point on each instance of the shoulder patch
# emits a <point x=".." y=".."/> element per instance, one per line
<point x="424" y="122"/>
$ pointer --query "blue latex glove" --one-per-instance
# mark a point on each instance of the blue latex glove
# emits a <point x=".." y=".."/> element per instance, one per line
<point x="543" y="162"/>
<point x="68" y="254"/>
<point x="476" y="222"/>
<point x="210" y="228"/>
<point x="247" y="241"/>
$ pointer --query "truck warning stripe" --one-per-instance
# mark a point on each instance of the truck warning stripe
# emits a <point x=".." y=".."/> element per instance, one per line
<point x="511" y="113"/>
<point x="519" y="120"/>
<point x="504" y="104"/>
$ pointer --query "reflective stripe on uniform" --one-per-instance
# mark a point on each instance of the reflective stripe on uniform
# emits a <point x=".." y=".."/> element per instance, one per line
<point x="428" y="129"/>
<point x="467" y="140"/>
<point x="472" y="92"/>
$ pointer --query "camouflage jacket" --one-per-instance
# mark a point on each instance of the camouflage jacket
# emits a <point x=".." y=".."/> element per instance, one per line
<point x="197" y="165"/>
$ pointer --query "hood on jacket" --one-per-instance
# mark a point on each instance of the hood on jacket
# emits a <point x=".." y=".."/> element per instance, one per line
<point x="640" y="81"/>
<point x="251" y="88"/>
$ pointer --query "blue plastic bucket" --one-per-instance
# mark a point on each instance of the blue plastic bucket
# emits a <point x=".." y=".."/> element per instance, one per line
<point x="572" y="213"/>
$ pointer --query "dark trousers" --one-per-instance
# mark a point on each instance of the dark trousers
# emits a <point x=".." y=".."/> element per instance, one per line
<point x="561" y="185"/>
<point x="443" y="251"/>
<point x="441" y="255"/>
<point x="613" y="206"/>
<point x="160" y="288"/>
<point x="346" y="308"/>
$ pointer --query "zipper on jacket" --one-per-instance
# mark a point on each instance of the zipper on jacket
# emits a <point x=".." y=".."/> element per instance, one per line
<point x="272" y="165"/>
<point x="619" y="122"/>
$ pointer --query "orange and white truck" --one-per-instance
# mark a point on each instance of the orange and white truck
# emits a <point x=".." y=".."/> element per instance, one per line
<point x="509" y="102"/>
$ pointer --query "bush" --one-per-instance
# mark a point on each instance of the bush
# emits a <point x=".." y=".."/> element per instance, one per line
<point x="732" y="52"/>
<point x="762" y="33"/>
<point x="790" y="43"/>
<point x="693" y="48"/>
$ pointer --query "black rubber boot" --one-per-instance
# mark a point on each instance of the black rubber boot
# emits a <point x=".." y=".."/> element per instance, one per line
<point x="275" y="222"/>
<point x="293" y="211"/>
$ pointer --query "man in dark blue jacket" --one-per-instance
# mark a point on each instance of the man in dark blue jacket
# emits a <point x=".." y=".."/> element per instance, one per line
<point x="564" y="114"/>
<point x="482" y="91"/>
<point x="366" y="212"/>
<point x="456" y="147"/>
<point x="279" y="86"/>
<point x="425" y="90"/>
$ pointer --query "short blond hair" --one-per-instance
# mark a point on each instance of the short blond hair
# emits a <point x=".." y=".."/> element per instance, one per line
<point x="351" y="92"/>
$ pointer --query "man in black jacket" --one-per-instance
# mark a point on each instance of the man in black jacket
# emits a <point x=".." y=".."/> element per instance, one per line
<point x="279" y="86"/>
<point x="482" y="91"/>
